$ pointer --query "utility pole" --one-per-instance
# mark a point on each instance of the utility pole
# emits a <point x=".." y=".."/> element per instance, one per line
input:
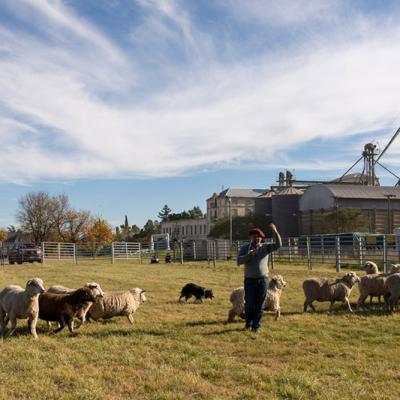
<point x="230" y="220"/>
<point x="389" y="219"/>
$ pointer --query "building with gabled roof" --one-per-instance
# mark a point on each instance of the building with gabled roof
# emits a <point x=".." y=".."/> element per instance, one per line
<point x="379" y="206"/>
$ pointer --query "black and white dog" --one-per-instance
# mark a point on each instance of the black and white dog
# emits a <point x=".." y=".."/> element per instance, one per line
<point x="191" y="289"/>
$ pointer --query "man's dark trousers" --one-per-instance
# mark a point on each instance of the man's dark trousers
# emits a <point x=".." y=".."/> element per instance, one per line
<point x="255" y="291"/>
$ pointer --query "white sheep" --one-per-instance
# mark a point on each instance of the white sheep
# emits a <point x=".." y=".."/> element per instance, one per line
<point x="374" y="285"/>
<point x="113" y="304"/>
<point x="81" y="314"/>
<point x="271" y="303"/>
<point x="324" y="289"/>
<point x="392" y="291"/>
<point x="18" y="303"/>
<point x="371" y="268"/>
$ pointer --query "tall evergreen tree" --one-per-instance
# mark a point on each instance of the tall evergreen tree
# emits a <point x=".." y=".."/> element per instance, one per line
<point x="164" y="213"/>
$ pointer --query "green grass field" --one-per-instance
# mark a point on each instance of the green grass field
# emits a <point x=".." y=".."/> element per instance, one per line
<point x="188" y="351"/>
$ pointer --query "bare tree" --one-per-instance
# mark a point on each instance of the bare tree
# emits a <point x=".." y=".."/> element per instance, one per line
<point x="75" y="225"/>
<point x="36" y="212"/>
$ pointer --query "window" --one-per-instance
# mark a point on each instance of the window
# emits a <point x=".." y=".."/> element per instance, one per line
<point x="195" y="229"/>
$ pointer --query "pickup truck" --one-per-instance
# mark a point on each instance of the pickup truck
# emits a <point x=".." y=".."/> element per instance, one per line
<point x="25" y="252"/>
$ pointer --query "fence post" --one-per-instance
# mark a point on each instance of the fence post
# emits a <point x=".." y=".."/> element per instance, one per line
<point x="59" y="250"/>
<point x="43" y="255"/>
<point x="337" y="239"/>
<point x="75" y="258"/>
<point x="181" y="250"/>
<point x="140" y="253"/>
<point x="385" y="255"/>
<point x="309" y="265"/>
<point x="112" y="253"/>
<point x="194" y="250"/>
<point x="214" y="253"/>
<point x="322" y="250"/>
<point x="208" y="252"/>
<point x="360" y="249"/>
<point x="290" y="250"/>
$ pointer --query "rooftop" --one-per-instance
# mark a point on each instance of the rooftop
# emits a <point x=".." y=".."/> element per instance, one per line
<point x="252" y="193"/>
<point x="362" y="192"/>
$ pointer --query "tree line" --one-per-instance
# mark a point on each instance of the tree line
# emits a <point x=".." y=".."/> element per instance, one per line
<point x="52" y="218"/>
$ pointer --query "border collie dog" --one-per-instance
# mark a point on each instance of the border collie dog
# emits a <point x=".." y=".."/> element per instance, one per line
<point x="200" y="293"/>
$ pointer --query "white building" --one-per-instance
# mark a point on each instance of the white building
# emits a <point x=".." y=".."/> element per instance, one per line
<point x="186" y="229"/>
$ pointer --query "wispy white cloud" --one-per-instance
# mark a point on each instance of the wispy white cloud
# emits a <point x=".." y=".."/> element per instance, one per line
<point x="286" y="12"/>
<point x="73" y="103"/>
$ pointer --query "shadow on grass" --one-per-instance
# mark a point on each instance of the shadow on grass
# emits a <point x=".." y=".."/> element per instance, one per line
<point x="124" y="333"/>
<point x="200" y="323"/>
<point x="225" y="331"/>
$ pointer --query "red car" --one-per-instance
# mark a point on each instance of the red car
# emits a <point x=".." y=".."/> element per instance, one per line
<point x="25" y="252"/>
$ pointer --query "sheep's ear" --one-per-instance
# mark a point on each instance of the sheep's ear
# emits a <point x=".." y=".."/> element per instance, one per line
<point x="29" y="282"/>
<point x="143" y="291"/>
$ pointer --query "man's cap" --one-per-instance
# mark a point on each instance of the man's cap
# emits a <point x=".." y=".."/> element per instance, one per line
<point x="257" y="231"/>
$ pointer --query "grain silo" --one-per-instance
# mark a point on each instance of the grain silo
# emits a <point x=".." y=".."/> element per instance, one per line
<point x="264" y="204"/>
<point x="285" y="211"/>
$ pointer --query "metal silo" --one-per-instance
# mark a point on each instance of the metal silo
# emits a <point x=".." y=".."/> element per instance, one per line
<point x="285" y="211"/>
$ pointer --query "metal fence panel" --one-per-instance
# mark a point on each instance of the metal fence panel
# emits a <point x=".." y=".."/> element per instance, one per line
<point x="126" y="251"/>
<point x="58" y="251"/>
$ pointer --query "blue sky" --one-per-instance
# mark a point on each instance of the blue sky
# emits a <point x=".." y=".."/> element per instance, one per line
<point x="126" y="105"/>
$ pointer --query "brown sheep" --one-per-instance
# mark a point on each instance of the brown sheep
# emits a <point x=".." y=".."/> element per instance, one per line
<point x="62" y="308"/>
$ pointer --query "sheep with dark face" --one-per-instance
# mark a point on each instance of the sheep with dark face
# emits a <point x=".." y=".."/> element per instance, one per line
<point x="324" y="289"/>
<point x="62" y="308"/>
<point x="18" y="303"/>
<point x="82" y="312"/>
<point x="271" y="303"/>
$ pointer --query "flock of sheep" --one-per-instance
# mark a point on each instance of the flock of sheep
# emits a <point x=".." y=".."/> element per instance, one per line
<point x="60" y="304"/>
<point x="373" y="284"/>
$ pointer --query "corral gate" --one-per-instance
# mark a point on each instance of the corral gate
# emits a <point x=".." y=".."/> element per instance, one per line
<point x="58" y="251"/>
<point x="126" y="251"/>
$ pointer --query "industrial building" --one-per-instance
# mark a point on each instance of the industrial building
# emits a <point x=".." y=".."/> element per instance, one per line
<point x="353" y="202"/>
<point x="378" y="206"/>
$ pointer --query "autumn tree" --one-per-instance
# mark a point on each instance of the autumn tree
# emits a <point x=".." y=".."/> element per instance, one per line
<point x="3" y="234"/>
<point x="99" y="232"/>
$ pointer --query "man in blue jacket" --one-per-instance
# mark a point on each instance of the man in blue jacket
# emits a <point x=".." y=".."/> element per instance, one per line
<point x="254" y="256"/>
